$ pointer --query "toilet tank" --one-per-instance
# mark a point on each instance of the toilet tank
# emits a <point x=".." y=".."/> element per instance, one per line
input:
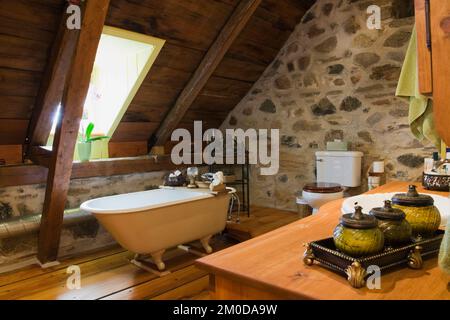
<point x="343" y="167"/>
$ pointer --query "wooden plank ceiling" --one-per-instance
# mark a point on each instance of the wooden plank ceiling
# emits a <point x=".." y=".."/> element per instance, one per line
<point x="27" y="32"/>
<point x="28" y="29"/>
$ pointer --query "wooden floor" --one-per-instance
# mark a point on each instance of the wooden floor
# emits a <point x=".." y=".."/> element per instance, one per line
<point x="262" y="220"/>
<point x="108" y="274"/>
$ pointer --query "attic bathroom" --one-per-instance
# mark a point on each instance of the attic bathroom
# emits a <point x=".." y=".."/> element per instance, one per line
<point x="103" y="166"/>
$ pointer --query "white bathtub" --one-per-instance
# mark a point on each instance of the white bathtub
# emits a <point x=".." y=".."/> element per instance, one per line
<point x="150" y="222"/>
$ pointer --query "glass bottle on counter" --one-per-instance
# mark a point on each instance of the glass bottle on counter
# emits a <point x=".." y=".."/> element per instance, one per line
<point x="446" y="163"/>
<point x="437" y="162"/>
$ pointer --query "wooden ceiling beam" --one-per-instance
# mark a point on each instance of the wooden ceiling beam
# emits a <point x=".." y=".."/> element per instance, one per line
<point x="19" y="175"/>
<point x="52" y="86"/>
<point x="75" y="92"/>
<point x="208" y="65"/>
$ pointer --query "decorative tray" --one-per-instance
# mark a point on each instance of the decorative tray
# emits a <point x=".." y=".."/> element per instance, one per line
<point x="325" y="254"/>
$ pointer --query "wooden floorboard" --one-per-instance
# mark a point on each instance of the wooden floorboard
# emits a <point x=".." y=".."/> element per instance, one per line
<point x="109" y="275"/>
<point x="187" y="291"/>
<point x="34" y="270"/>
<point x="261" y="220"/>
<point x="151" y="289"/>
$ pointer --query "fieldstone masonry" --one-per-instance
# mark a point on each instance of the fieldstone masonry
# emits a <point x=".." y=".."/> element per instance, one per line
<point x="88" y="235"/>
<point x="335" y="79"/>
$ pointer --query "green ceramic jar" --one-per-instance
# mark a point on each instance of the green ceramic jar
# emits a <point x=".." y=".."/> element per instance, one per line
<point x="358" y="234"/>
<point x="392" y="222"/>
<point x="421" y="213"/>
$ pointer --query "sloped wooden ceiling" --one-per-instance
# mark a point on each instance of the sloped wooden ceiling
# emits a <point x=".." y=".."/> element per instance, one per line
<point x="28" y="29"/>
<point x="190" y="27"/>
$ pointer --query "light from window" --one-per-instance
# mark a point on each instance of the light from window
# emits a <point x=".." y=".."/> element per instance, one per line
<point x="118" y="65"/>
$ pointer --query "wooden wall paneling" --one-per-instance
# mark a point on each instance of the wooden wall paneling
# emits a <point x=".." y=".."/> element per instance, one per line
<point x="243" y="49"/>
<point x="16" y="53"/>
<point x="157" y="93"/>
<point x="211" y="104"/>
<point x="13" y="131"/>
<point x="52" y="86"/>
<point x="20" y="175"/>
<point x="237" y="69"/>
<point x="226" y="88"/>
<point x="440" y="24"/>
<point x="19" y="82"/>
<point x="423" y="52"/>
<point x="38" y="14"/>
<point x="67" y="129"/>
<point x="133" y="131"/>
<point x="111" y="167"/>
<point x="127" y="149"/>
<point x="262" y="32"/>
<point x="24" y="30"/>
<point x="284" y="14"/>
<point x="207" y="117"/>
<point x="10" y="154"/>
<point x="179" y="58"/>
<point x="165" y="76"/>
<point x="154" y="95"/>
<point x="215" y="54"/>
<point x="16" y="107"/>
<point x="190" y="23"/>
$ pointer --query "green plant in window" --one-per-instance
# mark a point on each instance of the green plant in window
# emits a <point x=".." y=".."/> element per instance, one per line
<point x="85" y="144"/>
<point x="87" y="136"/>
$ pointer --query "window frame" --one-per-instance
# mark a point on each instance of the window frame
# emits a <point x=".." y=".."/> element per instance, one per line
<point x="100" y="149"/>
<point x="139" y="37"/>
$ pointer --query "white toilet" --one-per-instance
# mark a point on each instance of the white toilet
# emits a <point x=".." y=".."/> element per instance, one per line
<point x="336" y="171"/>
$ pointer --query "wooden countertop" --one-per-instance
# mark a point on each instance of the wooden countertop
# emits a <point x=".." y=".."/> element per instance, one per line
<point x="273" y="263"/>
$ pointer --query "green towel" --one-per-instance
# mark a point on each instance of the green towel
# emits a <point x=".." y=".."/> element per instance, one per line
<point x="420" y="107"/>
<point x="421" y="122"/>
<point x="444" y="254"/>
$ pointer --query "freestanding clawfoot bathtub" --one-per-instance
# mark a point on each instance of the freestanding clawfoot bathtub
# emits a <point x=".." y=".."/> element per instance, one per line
<point x="150" y="222"/>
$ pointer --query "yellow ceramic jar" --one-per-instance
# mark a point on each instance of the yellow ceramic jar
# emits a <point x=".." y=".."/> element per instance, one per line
<point x="392" y="222"/>
<point x="421" y="213"/>
<point x="358" y="234"/>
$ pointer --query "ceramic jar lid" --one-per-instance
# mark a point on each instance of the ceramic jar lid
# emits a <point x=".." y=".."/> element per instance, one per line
<point x="322" y="187"/>
<point x="412" y="198"/>
<point x="387" y="212"/>
<point x="358" y="220"/>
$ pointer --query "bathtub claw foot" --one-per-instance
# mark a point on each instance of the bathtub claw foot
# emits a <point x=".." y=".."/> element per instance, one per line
<point x="205" y="244"/>
<point x="157" y="259"/>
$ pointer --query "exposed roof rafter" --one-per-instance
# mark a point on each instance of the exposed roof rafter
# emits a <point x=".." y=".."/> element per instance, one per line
<point x="52" y="86"/>
<point x="61" y="161"/>
<point x="213" y="57"/>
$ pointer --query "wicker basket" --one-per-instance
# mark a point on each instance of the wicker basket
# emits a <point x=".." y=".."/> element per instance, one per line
<point x="436" y="182"/>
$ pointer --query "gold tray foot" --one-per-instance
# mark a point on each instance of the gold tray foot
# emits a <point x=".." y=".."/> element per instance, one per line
<point x="308" y="256"/>
<point x="356" y="275"/>
<point x="414" y="258"/>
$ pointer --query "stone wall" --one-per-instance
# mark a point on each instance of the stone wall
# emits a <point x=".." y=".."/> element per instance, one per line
<point x="88" y="235"/>
<point x="335" y="78"/>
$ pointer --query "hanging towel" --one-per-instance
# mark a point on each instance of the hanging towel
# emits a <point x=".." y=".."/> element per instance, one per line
<point x="420" y="107"/>
<point x="444" y="254"/>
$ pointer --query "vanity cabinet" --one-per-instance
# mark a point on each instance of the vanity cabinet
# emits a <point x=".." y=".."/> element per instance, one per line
<point x="433" y="49"/>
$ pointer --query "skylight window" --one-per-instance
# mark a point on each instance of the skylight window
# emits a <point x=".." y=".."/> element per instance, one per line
<point x="122" y="62"/>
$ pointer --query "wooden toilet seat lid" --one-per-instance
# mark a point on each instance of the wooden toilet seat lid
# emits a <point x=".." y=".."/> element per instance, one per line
<point x="322" y="187"/>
